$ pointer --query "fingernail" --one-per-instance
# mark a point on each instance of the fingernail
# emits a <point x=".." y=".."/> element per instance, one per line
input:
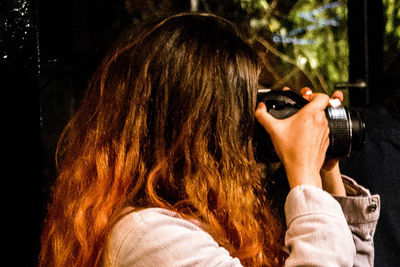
<point x="334" y="102"/>
<point x="308" y="91"/>
<point x="285" y="88"/>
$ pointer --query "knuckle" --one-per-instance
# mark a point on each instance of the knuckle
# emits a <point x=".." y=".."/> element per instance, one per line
<point x="258" y="113"/>
<point x="320" y="120"/>
<point x="324" y="99"/>
<point x="320" y="101"/>
<point x="324" y="120"/>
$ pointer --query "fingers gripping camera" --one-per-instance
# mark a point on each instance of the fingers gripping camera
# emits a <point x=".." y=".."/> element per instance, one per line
<point x="346" y="125"/>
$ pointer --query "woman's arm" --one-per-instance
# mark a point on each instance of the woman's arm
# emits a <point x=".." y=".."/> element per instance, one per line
<point x="317" y="234"/>
<point x="361" y="210"/>
<point x="317" y="231"/>
<point x="158" y="237"/>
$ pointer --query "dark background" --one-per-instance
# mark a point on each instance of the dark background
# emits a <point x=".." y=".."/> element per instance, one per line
<point x="48" y="51"/>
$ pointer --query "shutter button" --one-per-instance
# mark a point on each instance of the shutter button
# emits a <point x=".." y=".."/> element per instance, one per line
<point x="372" y="207"/>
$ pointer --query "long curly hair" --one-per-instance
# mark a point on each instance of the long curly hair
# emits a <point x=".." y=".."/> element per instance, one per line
<point x="167" y="121"/>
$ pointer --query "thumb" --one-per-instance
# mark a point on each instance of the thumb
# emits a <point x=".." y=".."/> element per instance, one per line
<point x="264" y="118"/>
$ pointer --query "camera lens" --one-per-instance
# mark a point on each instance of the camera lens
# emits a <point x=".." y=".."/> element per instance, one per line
<point x="346" y="131"/>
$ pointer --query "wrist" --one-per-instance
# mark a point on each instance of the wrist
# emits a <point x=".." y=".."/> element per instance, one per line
<point x="302" y="176"/>
<point x="332" y="181"/>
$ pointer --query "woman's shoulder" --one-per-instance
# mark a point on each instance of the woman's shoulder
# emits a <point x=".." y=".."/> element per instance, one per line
<point x="150" y="224"/>
<point x="163" y="234"/>
<point x="151" y="218"/>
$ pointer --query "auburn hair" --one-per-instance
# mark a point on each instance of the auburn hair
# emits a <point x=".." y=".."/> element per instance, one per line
<point x="167" y="121"/>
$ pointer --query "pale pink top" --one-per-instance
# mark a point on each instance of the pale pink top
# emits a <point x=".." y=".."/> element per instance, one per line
<point x="321" y="231"/>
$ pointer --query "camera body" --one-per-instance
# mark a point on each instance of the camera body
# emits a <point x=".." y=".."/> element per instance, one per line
<point x="346" y="125"/>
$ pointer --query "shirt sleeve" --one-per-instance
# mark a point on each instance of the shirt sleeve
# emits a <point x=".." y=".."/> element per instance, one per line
<point x="157" y="237"/>
<point x="317" y="232"/>
<point x="361" y="210"/>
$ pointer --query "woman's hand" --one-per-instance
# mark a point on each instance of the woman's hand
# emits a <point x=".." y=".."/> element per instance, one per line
<point x="301" y="140"/>
<point x="330" y="172"/>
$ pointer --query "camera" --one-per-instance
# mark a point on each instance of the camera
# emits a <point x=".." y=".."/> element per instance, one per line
<point x="346" y="125"/>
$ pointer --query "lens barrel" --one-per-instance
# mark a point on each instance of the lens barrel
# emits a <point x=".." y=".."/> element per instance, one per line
<point x="346" y="128"/>
<point x="340" y="131"/>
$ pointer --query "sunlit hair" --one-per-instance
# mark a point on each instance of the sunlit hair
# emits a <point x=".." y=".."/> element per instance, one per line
<point x="166" y="122"/>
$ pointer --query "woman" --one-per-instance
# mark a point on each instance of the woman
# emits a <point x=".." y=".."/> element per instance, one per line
<point x="158" y="168"/>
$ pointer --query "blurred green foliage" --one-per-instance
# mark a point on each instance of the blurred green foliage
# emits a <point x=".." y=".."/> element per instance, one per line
<point x="303" y="42"/>
<point x="307" y="37"/>
<point x="391" y="40"/>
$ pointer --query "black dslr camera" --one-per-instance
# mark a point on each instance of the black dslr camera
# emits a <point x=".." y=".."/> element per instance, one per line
<point x="346" y="125"/>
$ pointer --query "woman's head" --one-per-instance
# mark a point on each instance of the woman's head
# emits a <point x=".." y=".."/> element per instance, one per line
<point x="167" y="121"/>
<point x="182" y="90"/>
<point x="192" y="75"/>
